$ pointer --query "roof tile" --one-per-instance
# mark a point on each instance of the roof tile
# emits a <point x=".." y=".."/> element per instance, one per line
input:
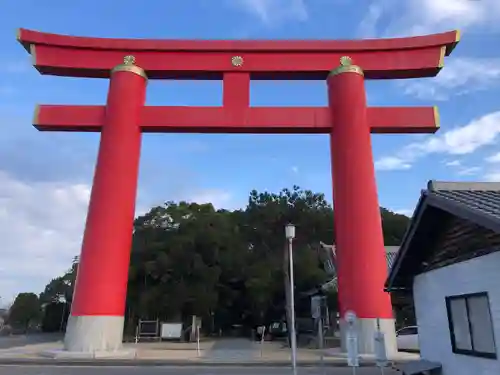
<point x="480" y="196"/>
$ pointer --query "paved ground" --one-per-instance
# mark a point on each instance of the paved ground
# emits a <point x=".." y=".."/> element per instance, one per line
<point x="7" y="342"/>
<point x="233" y="349"/>
<point x="59" y="370"/>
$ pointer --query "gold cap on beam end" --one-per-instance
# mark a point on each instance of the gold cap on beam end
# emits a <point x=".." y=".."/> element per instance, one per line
<point x="346" y="66"/>
<point x="442" y="54"/>
<point x="36" y="115"/>
<point x="437" y="119"/>
<point x="128" y="65"/>
<point x="33" y="54"/>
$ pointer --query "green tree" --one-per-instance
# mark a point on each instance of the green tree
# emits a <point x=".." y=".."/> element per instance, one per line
<point x="176" y="260"/>
<point x="228" y="267"/>
<point x="394" y="226"/>
<point x="56" y="299"/>
<point x="24" y="311"/>
<point x="267" y="214"/>
<point x="60" y="289"/>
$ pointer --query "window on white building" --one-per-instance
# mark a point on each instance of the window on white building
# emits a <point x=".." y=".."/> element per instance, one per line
<point x="471" y="327"/>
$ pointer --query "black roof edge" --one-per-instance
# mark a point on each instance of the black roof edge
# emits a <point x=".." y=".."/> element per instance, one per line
<point x="396" y="289"/>
<point x="434" y="185"/>
<point x="465" y="212"/>
<point x="456" y="208"/>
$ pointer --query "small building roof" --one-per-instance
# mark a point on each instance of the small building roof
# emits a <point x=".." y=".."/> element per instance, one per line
<point x="390" y="255"/>
<point x="453" y="222"/>
<point x="327" y="256"/>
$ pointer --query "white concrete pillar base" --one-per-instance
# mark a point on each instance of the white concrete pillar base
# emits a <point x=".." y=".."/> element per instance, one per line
<point x="92" y="334"/>
<point x="366" y="330"/>
<point x="64" y="354"/>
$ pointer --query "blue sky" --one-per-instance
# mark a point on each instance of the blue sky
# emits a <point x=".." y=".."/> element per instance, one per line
<point x="45" y="177"/>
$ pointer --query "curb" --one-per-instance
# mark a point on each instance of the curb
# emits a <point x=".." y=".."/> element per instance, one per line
<point x="168" y="363"/>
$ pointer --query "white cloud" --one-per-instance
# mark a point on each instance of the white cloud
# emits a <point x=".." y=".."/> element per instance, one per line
<point x="453" y="163"/>
<point x="469" y="171"/>
<point x="416" y="17"/>
<point x="462" y="140"/>
<point x="396" y="18"/>
<point x="440" y="15"/>
<point x="275" y="11"/>
<point x="495" y="158"/>
<point x="493" y="176"/>
<point x="493" y="162"/>
<point x="40" y="230"/>
<point x="465" y="139"/>
<point x="41" y="226"/>
<point x="460" y="76"/>
<point x="390" y="163"/>
<point x="462" y="170"/>
<point x="295" y="169"/>
<point x="368" y="26"/>
<point x="218" y="198"/>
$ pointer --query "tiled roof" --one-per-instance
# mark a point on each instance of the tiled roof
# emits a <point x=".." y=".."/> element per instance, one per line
<point x="390" y="254"/>
<point x="390" y="251"/>
<point x="480" y="196"/>
<point x="472" y="202"/>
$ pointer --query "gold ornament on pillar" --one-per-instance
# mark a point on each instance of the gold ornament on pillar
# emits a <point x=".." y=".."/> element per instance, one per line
<point x="129" y="60"/>
<point x="345" y="61"/>
<point x="128" y="65"/>
<point x="237" y="61"/>
<point x="346" y="66"/>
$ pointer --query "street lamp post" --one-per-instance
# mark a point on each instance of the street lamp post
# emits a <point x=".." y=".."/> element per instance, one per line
<point x="290" y="235"/>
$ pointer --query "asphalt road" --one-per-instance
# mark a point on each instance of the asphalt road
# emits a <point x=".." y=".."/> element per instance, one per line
<point x="91" y="370"/>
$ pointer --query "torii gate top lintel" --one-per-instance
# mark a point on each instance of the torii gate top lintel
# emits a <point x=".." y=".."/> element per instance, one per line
<point x="410" y="57"/>
<point x="237" y="63"/>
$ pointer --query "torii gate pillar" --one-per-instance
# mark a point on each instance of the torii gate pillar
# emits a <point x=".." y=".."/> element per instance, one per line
<point x="360" y="256"/>
<point x="97" y="312"/>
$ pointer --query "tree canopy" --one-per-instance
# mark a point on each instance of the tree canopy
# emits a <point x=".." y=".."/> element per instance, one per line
<point x="24" y="311"/>
<point x="225" y="266"/>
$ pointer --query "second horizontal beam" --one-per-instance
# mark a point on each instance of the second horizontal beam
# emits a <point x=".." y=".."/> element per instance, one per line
<point x="252" y="120"/>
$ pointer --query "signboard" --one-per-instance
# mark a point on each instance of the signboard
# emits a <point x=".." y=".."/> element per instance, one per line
<point x="351" y="339"/>
<point x="171" y="330"/>
<point x="328" y="257"/>
<point x="352" y="350"/>
<point x="316" y="307"/>
<point x="198" y="322"/>
<point x="380" y="350"/>
<point x="148" y="328"/>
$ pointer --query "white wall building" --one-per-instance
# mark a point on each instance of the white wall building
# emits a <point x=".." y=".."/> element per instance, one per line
<point x="450" y="261"/>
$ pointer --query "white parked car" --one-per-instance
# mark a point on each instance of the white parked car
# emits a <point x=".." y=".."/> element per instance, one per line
<point x="407" y="338"/>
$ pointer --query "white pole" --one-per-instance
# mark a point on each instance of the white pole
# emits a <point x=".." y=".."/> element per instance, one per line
<point x="321" y="342"/>
<point x="292" y="309"/>
<point x="198" y="339"/>
<point x="262" y="340"/>
<point x="62" y="317"/>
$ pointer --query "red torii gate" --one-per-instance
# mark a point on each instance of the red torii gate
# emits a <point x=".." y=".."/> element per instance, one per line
<point x="96" y="321"/>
